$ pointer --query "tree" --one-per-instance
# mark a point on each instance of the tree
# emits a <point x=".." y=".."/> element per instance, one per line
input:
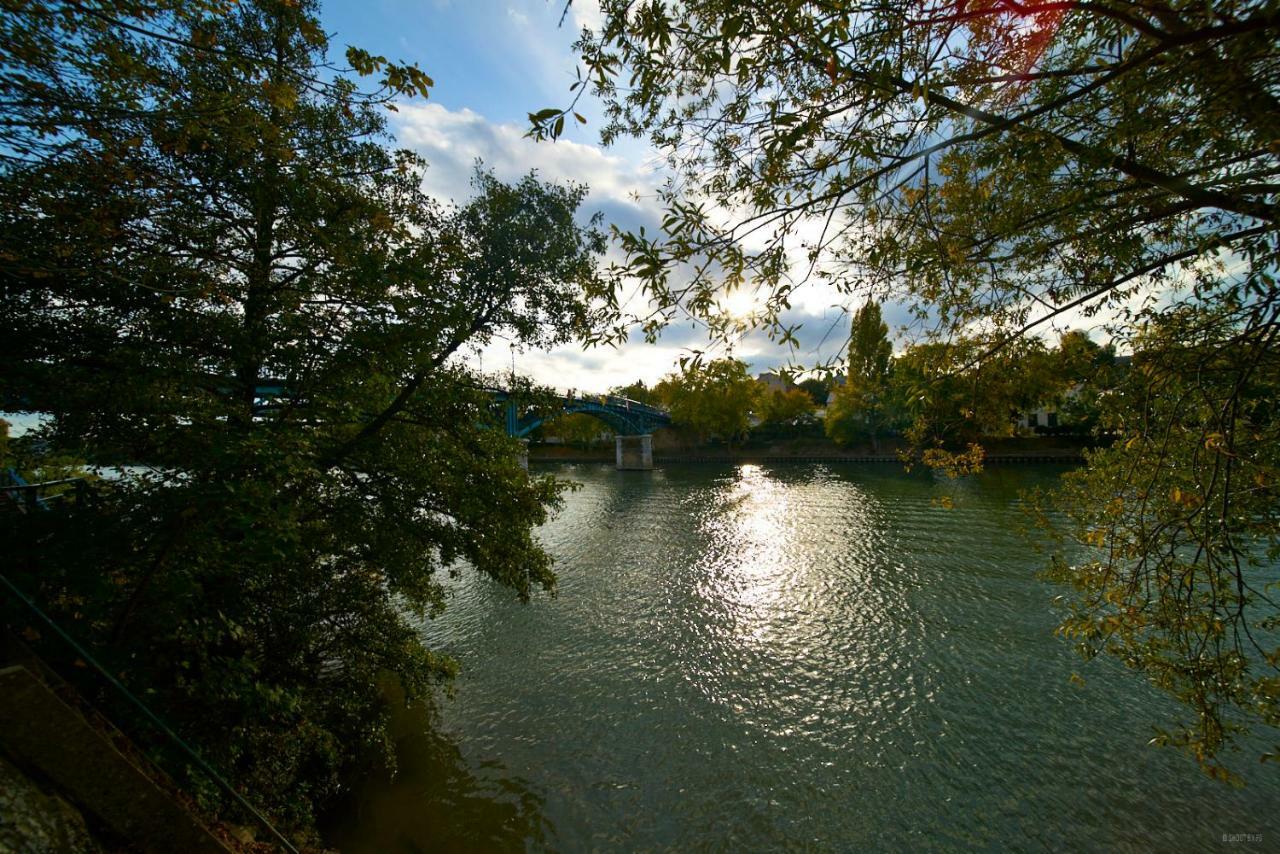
<point x="944" y="408"/>
<point x="576" y="428"/>
<point x="250" y="293"/>
<point x="818" y="390"/>
<point x="861" y="404"/>
<point x="869" y="347"/>
<point x="1179" y="583"/>
<point x="1088" y="373"/>
<point x="843" y="422"/>
<point x="784" y="409"/>
<point x="713" y="398"/>
<point x="992" y="164"/>
<point x="70" y="70"/>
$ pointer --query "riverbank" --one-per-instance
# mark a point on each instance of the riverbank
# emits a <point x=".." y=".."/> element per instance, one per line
<point x="1002" y="451"/>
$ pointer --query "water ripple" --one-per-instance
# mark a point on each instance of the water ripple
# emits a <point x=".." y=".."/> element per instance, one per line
<point x="814" y="658"/>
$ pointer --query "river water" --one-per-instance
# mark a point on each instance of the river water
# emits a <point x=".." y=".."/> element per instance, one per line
<point x="817" y="657"/>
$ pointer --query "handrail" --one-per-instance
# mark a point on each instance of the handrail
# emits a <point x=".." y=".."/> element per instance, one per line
<point x="148" y="714"/>
<point x="28" y="495"/>
<point x="60" y="482"/>
<point x="602" y="399"/>
<point x="14" y="490"/>
<point x="20" y="483"/>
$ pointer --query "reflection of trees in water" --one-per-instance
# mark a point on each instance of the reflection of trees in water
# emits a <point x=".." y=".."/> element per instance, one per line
<point x="434" y="801"/>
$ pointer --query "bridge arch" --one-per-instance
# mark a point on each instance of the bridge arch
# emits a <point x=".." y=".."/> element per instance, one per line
<point x="617" y="423"/>
<point x="625" y="417"/>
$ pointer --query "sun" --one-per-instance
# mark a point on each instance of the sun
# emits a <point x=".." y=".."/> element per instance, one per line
<point x="740" y="303"/>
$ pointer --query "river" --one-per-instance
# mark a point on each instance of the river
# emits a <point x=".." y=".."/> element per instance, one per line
<point x="816" y="657"/>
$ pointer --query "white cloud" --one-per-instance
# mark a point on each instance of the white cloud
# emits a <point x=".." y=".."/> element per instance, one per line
<point x="586" y="13"/>
<point x="622" y="187"/>
<point x="589" y="371"/>
<point x="520" y="18"/>
<point x="453" y="140"/>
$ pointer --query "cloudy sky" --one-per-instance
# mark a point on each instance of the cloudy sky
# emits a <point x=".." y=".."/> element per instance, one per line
<point x="493" y="62"/>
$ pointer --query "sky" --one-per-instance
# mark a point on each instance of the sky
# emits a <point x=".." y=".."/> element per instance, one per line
<point x="493" y="63"/>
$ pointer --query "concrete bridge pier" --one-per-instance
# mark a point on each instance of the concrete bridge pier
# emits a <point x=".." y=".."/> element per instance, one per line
<point x="634" y="453"/>
<point x="523" y="454"/>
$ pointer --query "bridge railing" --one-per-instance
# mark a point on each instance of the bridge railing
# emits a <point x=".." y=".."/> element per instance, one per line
<point x="46" y="495"/>
<point x="614" y="400"/>
<point x="623" y="403"/>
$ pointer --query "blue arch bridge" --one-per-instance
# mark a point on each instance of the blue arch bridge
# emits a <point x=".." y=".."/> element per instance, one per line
<point x="631" y="421"/>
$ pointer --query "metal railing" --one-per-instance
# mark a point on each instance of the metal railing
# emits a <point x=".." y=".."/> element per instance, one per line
<point x="35" y="497"/>
<point x="45" y="495"/>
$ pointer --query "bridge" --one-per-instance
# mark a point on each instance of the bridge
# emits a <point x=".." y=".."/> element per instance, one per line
<point x="631" y="421"/>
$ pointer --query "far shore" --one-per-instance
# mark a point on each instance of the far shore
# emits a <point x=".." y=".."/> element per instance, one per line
<point x="1016" y="450"/>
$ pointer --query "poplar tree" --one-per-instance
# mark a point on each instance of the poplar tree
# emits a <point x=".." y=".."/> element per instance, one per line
<point x="861" y="404"/>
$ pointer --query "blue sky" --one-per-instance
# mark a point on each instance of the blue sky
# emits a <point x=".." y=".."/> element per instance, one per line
<point x="493" y="62"/>
<point x="503" y="58"/>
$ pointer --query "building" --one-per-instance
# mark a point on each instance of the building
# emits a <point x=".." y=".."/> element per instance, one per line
<point x="836" y="381"/>
<point x="775" y="382"/>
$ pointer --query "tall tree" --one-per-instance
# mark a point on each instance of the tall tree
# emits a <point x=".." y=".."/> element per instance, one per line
<point x="869" y="347"/>
<point x="992" y="164"/>
<point x="235" y="282"/>
<point x="861" y="406"/>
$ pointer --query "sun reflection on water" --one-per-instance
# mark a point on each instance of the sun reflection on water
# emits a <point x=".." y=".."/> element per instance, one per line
<point x="756" y="562"/>
<point x="749" y="536"/>
<point x="768" y="585"/>
<point x="787" y="657"/>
